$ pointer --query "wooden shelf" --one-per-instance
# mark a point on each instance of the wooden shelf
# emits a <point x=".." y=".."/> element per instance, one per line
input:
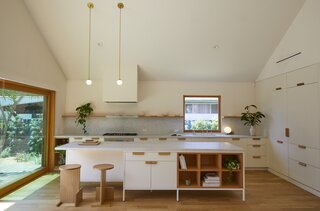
<point x="202" y="163"/>
<point x="123" y="116"/>
<point x="231" y="117"/>
<point x="91" y="115"/>
<point x="160" y="116"/>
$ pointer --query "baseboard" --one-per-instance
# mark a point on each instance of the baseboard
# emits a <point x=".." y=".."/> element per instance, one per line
<point x="296" y="183"/>
<point x="256" y="168"/>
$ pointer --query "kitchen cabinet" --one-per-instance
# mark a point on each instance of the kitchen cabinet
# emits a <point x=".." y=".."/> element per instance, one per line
<point x="279" y="161"/>
<point x="256" y="153"/>
<point x="150" y="170"/>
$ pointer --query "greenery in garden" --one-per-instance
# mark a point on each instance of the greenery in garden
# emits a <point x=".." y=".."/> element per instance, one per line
<point x="21" y="138"/>
<point x="201" y="124"/>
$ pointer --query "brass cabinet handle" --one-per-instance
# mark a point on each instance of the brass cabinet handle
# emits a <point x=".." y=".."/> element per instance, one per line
<point x="280" y="142"/>
<point x="256" y="145"/>
<point x="162" y="139"/>
<point x="78" y="138"/>
<point x="256" y="157"/>
<point x="302" y="164"/>
<point x="300" y="84"/>
<point x="278" y="88"/>
<point x="302" y="146"/>
<point x="138" y="153"/>
<point x="181" y="139"/>
<point x="287" y="132"/>
<point x="143" y="139"/>
<point x="235" y="139"/>
<point x="151" y="162"/>
<point x="164" y="153"/>
<point x="256" y="139"/>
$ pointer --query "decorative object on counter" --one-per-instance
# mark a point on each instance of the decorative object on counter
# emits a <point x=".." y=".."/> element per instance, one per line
<point x="252" y="119"/>
<point x="83" y="112"/>
<point x="227" y="130"/>
<point x="231" y="164"/>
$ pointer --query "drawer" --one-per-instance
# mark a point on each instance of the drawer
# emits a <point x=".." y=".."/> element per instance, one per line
<point x="256" y="149"/>
<point x="305" y="174"/>
<point x="305" y="154"/>
<point x="256" y="141"/>
<point x="151" y="156"/>
<point x="256" y="161"/>
<point x="278" y="82"/>
<point x="306" y="75"/>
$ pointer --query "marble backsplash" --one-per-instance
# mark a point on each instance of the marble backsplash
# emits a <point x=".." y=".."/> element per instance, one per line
<point x="142" y="126"/>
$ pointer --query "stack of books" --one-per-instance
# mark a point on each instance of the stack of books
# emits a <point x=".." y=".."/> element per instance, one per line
<point x="211" y="180"/>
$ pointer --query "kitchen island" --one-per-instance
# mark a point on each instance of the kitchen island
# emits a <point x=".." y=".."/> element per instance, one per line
<point x="156" y="166"/>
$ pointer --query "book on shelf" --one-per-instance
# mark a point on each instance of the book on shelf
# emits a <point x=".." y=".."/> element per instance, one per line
<point x="211" y="180"/>
<point x="183" y="163"/>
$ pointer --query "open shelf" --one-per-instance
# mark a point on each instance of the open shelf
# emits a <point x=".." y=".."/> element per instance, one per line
<point x="199" y="164"/>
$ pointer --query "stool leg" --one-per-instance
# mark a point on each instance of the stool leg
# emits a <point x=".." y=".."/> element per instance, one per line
<point x="102" y="186"/>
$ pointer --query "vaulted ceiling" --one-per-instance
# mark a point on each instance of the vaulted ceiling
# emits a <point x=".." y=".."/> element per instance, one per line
<point x="185" y="40"/>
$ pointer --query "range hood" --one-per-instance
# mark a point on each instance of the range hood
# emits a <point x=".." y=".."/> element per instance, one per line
<point x="127" y="92"/>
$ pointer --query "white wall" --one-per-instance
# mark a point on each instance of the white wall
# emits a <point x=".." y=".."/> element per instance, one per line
<point x="303" y="35"/>
<point x="161" y="97"/>
<point x="25" y="56"/>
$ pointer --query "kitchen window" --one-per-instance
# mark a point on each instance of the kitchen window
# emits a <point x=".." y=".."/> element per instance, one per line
<point x="202" y="113"/>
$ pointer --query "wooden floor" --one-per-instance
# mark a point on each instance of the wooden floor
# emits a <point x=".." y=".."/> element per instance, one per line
<point x="265" y="191"/>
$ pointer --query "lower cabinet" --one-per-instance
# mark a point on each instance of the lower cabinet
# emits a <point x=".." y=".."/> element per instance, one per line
<point x="150" y="171"/>
<point x="279" y="157"/>
<point x="256" y="153"/>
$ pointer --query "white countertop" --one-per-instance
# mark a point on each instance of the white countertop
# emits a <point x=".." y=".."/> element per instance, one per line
<point x="185" y="135"/>
<point x="174" y="146"/>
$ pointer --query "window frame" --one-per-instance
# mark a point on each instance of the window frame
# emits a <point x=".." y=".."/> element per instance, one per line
<point x="219" y="113"/>
<point x="48" y="157"/>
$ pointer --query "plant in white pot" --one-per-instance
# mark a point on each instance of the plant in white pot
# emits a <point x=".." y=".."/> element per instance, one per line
<point x="251" y="118"/>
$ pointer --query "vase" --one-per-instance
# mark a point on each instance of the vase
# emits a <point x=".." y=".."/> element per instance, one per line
<point x="252" y="131"/>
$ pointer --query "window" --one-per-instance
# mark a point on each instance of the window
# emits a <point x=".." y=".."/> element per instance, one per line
<point x="25" y="118"/>
<point x="201" y="113"/>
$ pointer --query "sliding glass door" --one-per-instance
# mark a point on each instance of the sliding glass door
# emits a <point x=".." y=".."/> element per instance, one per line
<point x="23" y="133"/>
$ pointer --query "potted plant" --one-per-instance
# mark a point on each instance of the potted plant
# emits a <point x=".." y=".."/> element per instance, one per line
<point x="83" y="112"/>
<point x="252" y="118"/>
<point x="230" y="164"/>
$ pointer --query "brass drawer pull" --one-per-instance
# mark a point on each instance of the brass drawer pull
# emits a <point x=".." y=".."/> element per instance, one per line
<point x="164" y="153"/>
<point x="256" y="145"/>
<point x="181" y="139"/>
<point x="138" y="153"/>
<point x="300" y="84"/>
<point x="280" y="142"/>
<point x="235" y="139"/>
<point x="287" y="132"/>
<point x="278" y="88"/>
<point x="302" y="164"/>
<point x="162" y="139"/>
<point x="255" y="139"/>
<point x="143" y="139"/>
<point x="302" y="147"/>
<point x="151" y="162"/>
<point x="256" y="157"/>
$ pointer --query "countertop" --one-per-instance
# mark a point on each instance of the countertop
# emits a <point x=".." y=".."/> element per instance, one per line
<point x="184" y="135"/>
<point x="174" y="146"/>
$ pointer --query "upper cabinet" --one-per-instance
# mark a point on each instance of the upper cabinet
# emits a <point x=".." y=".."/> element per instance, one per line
<point x="125" y="93"/>
<point x="300" y="77"/>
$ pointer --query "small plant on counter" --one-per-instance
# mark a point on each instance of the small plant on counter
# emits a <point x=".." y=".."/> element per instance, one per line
<point x="83" y="112"/>
<point x="251" y="119"/>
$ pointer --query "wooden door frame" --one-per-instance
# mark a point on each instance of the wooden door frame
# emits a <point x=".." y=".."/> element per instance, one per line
<point x="49" y="144"/>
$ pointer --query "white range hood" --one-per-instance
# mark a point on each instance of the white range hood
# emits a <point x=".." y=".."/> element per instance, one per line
<point x="127" y="92"/>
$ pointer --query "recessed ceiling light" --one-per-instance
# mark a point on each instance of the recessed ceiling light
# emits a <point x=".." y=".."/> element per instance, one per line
<point x="216" y="47"/>
<point x="100" y="44"/>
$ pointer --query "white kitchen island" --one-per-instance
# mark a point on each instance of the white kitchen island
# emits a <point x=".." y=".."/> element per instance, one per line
<point x="155" y="166"/>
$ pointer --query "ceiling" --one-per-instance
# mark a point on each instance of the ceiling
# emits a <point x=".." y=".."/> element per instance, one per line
<point x="168" y="39"/>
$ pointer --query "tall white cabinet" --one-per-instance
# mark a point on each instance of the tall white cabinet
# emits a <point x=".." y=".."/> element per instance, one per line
<point x="292" y="104"/>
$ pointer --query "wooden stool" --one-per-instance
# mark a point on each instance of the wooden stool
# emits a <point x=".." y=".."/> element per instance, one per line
<point x="104" y="192"/>
<point x="70" y="191"/>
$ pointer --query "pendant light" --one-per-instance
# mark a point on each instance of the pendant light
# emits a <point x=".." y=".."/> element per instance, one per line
<point x="119" y="81"/>
<point x="89" y="81"/>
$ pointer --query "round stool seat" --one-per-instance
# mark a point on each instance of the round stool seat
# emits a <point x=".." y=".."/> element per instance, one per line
<point x="69" y="167"/>
<point x="103" y="167"/>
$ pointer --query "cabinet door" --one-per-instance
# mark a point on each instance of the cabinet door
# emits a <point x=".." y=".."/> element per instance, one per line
<point x="279" y="156"/>
<point x="137" y="175"/>
<point x="277" y="117"/>
<point x="303" y="115"/>
<point x="164" y="175"/>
